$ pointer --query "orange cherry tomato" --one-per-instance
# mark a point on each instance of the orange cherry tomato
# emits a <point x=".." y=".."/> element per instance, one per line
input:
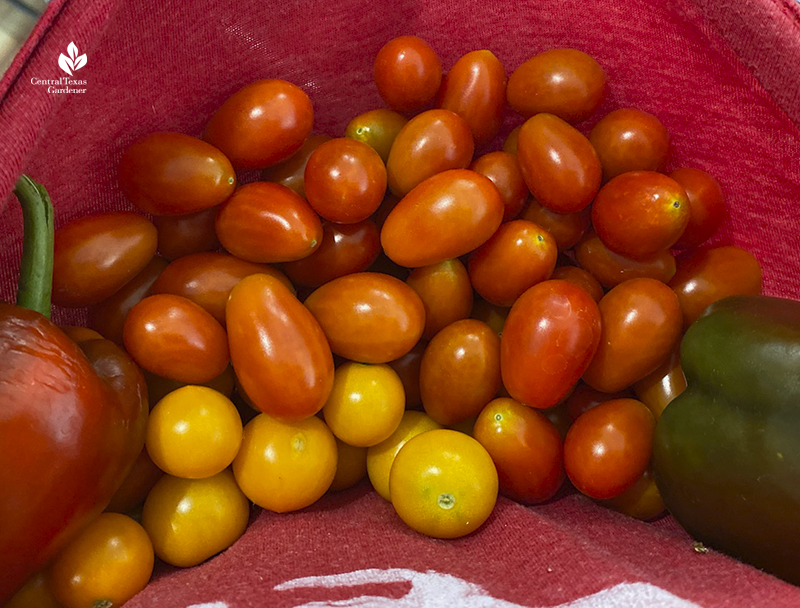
<point x="611" y="269"/>
<point x="460" y="371"/>
<point x="511" y="142"/>
<point x="407" y="73"/>
<point x="378" y="129"/>
<point x="368" y="317"/>
<point x="559" y="164"/>
<point x="641" y="501"/>
<point x="180" y="235"/>
<point x="584" y="398"/>
<point x="581" y="278"/>
<point x="291" y="172"/>
<point x="175" y="174"/>
<point x="262" y="124"/>
<point x="630" y="140"/>
<point x="137" y="484"/>
<point x="640" y="213"/>
<point x="525" y="447"/>
<point x="608" y="448"/>
<point x="94" y="256"/>
<point x="475" y="89"/>
<point x="706" y="206"/>
<point x="266" y="222"/>
<point x="662" y="385"/>
<point x="641" y="325"/>
<point x="446" y="216"/>
<point x="548" y="341"/>
<point x="503" y="169"/>
<point x="494" y="316"/>
<point x="566" y="228"/>
<point x="445" y="291"/>
<point x="407" y="368"/>
<point x="278" y="349"/>
<point x="34" y="594"/>
<point x="519" y="255"/>
<point x="565" y="82"/>
<point x="173" y="337"/>
<point x="351" y="466"/>
<point x="345" y="180"/>
<point x="708" y="275"/>
<point x="431" y="142"/>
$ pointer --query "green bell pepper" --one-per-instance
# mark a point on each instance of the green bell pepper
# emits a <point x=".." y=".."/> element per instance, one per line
<point x="727" y="450"/>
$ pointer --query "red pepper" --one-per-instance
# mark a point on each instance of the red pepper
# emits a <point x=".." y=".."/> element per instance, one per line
<point x="72" y="416"/>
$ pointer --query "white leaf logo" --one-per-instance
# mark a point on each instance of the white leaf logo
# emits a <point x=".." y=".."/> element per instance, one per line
<point x="73" y="62"/>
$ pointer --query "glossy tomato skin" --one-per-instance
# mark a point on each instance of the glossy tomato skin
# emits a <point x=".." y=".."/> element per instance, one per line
<point x="266" y="222"/>
<point x="584" y="398"/>
<point x="707" y="275"/>
<point x="368" y="317"/>
<point x="662" y="385"/>
<point x="560" y="166"/>
<point x="261" y="124"/>
<point x="475" y="89"/>
<point x="175" y="174"/>
<point x="706" y="202"/>
<point x="503" y="169"/>
<point x="640" y="213"/>
<point x="548" y="341"/>
<point x="641" y="501"/>
<point x="95" y="256"/>
<point x="446" y="216"/>
<point x="377" y="128"/>
<point x="431" y="142"/>
<point x="345" y="180"/>
<point x="180" y="235"/>
<point x="630" y="140"/>
<point x="445" y="291"/>
<point x="641" y="325"/>
<point x="526" y="449"/>
<point x="566" y="228"/>
<point x="516" y="257"/>
<point x="611" y="269"/>
<point x="608" y="448"/>
<point x="565" y="82"/>
<point x="291" y="172"/>
<point x="278" y="349"/>
<point x="581" y="278"/>
<point x="407" y="73"/>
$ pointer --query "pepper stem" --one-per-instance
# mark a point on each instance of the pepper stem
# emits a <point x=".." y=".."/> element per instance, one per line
<point x="35" y="287"/>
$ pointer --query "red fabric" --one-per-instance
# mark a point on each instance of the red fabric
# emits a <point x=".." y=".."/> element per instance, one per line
<point x="721" y="75"/>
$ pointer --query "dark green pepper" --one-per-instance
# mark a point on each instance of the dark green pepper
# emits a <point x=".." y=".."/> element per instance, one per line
<point x="727" y="450"/>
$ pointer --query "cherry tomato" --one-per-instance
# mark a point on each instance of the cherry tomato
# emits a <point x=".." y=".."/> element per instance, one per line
<point x="630" y="140"/>
<point x="611" y="269"/>
<point x="180" y="235"/>
<point x="158" y="387"/>
<point x="512" y="141"/>
<point x="137" y="484"/>
<point x="581" y="278"/>
<point x="174" y="174"/>
<point x="565" y="82"/>
<point x="443" y="484"/>
<point x="608" y="448"/>
<point x="494" y="316"/>
<point x="407" y="73"/>
<point x="548" y="341"/>
<point x="173" y="337"/>
<point x="559" y="164"/>
<point x="525" y="447"/>
<point x="368" y="317"/>
<point x="291" y="172"/>
<point x="446" y="216"/>
<point x="407" y="368"/>
<point x="475" y="89"/>
<point x="278" y="349"/>
<point x="566" y="228"/>
<point x="662" y="385"/>
<point x="207" y="279"/>
<point x="641" y="325"/>
<point x="34" y="594"/>
<point x="80" y="334"/>
<point x="384" y="265"/>
<point x="460" y="371"/>
<point x="519" y="255"/>
<point x="111" y="560"/>
<point x="94" y="256"/>
<point x="706" y="204"/>
<point x="708" y="275"/>
<point x="378" y="129"/>
<point x="351" y="466"/>
<point x="503" y="169"/>
<point x="431" y="142"/>
<point x="285" y="466"/>
<point x="266" y="222"/>
<point x="641" y="501"/>
<point x="584" y="398"/>
<point x="262" y="124"/>
<point x="445" y="291"/>
<point x="189" y="520"/>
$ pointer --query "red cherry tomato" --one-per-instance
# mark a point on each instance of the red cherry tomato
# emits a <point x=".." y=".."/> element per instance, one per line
<point x="511" y="142"/>
<point x="630" y="140"/>
<point x="180" y="235"/>
<point x="611" y="269"/>
<point x="445" y="291"/>
<point x="503" y="169"/>
<point x="407" y="73"/>
<point x="584" y="398"/>
<point x="581" y="278"/>
<point x="662" y="385"/>
<point x="291" y="172"/>
<point x="407" y="368"/>
<point x="566" y="228"/>
<point x="706" y="203"/>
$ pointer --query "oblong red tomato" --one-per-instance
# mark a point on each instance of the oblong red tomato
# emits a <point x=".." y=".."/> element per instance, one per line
<point x="431" y="142"/>
<point x="95" y="256"/>
<point x="582" y="278"/>
<point x="174" y="174"/>
<point x="446" y="216"/>
<point x="503" y="169"/>
<point x="611" y="269"/>
<point x="706" y="203"/>
<point x="376" y="128"/>
<point x="368" y="317"/>
<point x="291" y="172"/>
<point x="445" y="291"/>
<point x="662" y="385"/>
<point x="278" y="349"/>
<point x="548" y="341"/>
<point x="630" y="140"/>
<point x="407" y="73"/>
<point x="180" y="235"/>
<point x="475" y="89"/>
<point x="266" y="222"/>
<point x="559" y="164"/>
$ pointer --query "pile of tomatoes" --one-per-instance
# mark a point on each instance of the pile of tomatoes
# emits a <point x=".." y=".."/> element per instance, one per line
<point x="385" y="304"/>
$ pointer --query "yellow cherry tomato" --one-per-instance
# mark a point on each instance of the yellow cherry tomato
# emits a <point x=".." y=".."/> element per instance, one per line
<point x="106" y="565"/>
<point x="381" y="456"/>
<point x="351" y="465"/>
<point x="366" y="404"/>
<point x="377" y="129"/>
<point x="285" y="466"/>
<point x="189" y="520"/>
<point x="193" y="432"/>
<point x="443" y="484"/>
<point x="35" y="594"/>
